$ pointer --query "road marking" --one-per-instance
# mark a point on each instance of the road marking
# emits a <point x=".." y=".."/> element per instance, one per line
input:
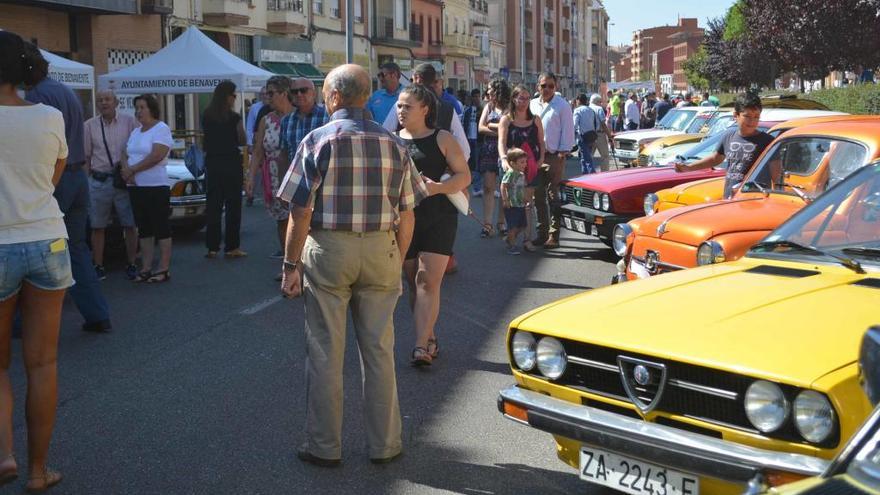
<point x="256" y="308"/>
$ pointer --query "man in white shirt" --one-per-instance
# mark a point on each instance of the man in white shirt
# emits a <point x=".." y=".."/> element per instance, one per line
<point x="556" y="115"/>
<point x="631" y="113"/>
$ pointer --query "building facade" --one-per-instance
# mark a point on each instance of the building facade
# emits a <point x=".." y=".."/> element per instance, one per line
<point x="647" y="41"/>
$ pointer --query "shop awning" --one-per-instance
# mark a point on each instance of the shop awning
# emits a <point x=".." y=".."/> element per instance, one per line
<point x="293" y="69"/>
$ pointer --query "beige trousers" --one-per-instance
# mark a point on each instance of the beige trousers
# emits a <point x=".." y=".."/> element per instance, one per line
<point x="361" y="272"/>
<point x="602" y="146"/>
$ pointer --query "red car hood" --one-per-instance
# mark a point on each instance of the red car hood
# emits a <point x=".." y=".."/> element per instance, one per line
<point x="662" y="177"/>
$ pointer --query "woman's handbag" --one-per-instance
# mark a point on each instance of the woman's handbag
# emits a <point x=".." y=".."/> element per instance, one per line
<point x="531" y="163"/>
<point x="194" y="159"/>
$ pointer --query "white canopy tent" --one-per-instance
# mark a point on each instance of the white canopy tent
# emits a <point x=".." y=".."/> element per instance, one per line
<point x="192" y="63"/>
<point x="75" y="75"/>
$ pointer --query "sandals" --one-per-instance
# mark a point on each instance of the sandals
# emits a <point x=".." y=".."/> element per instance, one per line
<point x="142" y="276"/>
<point x="11" y="474"/>
<point x="49" y="479"/>
<point x="420" y="357"/>
<point x="235" y="253"/>
<point x="433" y="348"/>
<point x="159" y="277"/>
<point x="501" y="229"/>
<point x="487" y="231"/>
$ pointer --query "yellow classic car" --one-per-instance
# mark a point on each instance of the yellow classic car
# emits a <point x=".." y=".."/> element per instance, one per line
<point x="699" y="380"/>
<point x="856" y="470"/>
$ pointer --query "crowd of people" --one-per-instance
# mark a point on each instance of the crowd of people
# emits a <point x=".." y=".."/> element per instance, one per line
<point x="357" y="186"/>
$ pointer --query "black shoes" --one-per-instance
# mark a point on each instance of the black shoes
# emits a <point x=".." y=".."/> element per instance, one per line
<point x="306" y="456"/>
<point x="102" y="326"/>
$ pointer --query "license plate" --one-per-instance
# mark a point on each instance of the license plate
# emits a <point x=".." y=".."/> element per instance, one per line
<point x="567" y="222"/>
<point x="634" y="476"/>
<point x="638" y="269"/>
<point x="580" y="226"/>
<point x="594" y="231"/>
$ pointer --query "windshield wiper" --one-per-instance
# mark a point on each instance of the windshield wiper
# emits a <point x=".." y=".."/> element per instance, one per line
<point x="798" y="190"/>
<point x="847" y="262"/>
<point x="761" y="188"/>
<point x="863" y="251"/>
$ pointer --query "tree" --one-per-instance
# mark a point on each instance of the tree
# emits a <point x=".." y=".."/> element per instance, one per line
<point x="694" y="69"/>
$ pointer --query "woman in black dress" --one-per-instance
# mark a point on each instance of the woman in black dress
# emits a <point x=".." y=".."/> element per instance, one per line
<point x="435" y="153"/>
<point x="224" y="174"/>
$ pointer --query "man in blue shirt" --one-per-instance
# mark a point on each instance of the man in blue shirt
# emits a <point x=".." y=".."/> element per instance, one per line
<point x="450" y="98"/>
<point x="72" y="193"/>
<point x="383" y="99"/>
<point x="661" y="107"/>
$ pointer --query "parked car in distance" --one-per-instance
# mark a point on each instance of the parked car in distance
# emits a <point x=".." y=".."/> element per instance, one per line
<point x="786" y="101"/>
<point x="795" y="169"/>
<point x="628" y="144"/>
<point x="699" y="380"/>
<point x="856" y="469"/>
<point x="188" y="200"/>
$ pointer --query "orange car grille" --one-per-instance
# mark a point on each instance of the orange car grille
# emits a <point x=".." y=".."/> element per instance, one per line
<point x="701" y="393"/>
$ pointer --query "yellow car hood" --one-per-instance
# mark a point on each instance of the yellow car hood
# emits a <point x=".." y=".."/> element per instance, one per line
<point x="784" y="328"/>
<point x="691" y="193"/>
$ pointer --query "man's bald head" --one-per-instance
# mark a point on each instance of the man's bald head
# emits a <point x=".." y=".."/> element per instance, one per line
<point x="346" y="86"/>
<point x="106" y="102"/>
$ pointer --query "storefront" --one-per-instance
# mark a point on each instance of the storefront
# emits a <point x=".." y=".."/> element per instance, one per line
<point x="457" y="73"/>
<point x="329" y="49"/>
<point x="286" y="56"/>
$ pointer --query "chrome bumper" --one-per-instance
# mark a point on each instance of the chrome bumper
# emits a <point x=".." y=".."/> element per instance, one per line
<point x="678" y="449"/>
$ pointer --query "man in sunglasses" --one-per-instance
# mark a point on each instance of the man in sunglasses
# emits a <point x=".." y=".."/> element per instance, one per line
<point x="383" y="99"/>
<point x="307" y="117"/>
<point x="556" y="115"/>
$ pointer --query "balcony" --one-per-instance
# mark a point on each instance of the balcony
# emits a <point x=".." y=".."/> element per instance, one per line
<point x="286" y="17"/>
<point x="435" y="49"/>
<point x="548" y="14"/>
<point x="384" y="28"/>
<point x="226" y="12"/>
<point x="549" y="40"/>
<point x="334" y="13"/>
<point x="529" y="34"/>
<point x="384" y="34"/>
<point x="461" y="45"/>
<point x="415" y="33"/>
<point x="92" y="6"/>
<point x="530" y="4"/>
<point x="157" y="6"/>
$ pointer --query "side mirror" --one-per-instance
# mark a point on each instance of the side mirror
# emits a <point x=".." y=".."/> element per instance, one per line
<point x="869" y="363"/>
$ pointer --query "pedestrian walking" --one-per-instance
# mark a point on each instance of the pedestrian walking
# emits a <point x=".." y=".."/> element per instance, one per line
<point x="558" y="126"/>
<point x="434" y="151"/>
<point x="604" y="138"/>
<point x="224" y="175"/>
<point x="347" y="184"/>
<point x="488" y="163"/>
<point x="587" y="125"/>
<point x="34" y="250"/>
<point x="661" y="108"/>
<point x="631" y="112"/>
<point x="72" y="192"/>
<point x="146" y="155"/>
<point x="106" y="135"/>
<point x="470" y="121"/>
<point x="616" y="110"/>
<point x="268" y="160"/>
<point x="649" y="116"/>
<point x="513" y="186"/>
<point x="520" y="128"/>
<point x="705" y="101"/>
<point x="382" y="100"/>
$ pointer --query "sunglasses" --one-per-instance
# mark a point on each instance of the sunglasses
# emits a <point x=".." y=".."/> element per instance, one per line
<point x="301" y="91"/>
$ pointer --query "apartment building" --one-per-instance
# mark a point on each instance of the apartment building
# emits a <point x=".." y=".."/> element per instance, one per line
<point x="598" y="54"/>
<point x="686" y="45"/>
<point x="647" y="41"/>
<point x="427" y="31"/>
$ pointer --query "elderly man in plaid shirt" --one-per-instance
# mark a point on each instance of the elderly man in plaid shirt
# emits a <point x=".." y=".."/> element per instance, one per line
<point x="347" y="185"/>
<point x="307" y="117"/>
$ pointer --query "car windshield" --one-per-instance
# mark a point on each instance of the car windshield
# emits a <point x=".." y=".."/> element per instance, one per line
<point x="720" y="124"/>
<point x="805" y="165"/>
<point x="701" y="123"/>
<point x="677" y="120"/>
<point x="843" y="223"/>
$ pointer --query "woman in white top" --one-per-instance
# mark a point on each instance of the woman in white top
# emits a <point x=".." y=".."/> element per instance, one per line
<point x="34" y="260"/>
<point x="146" y="155"/>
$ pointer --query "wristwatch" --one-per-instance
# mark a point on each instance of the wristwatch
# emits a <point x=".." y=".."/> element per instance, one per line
<point x="289" y="266"/>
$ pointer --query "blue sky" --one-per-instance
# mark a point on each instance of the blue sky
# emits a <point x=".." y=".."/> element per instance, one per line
<point x="630" y="15"/>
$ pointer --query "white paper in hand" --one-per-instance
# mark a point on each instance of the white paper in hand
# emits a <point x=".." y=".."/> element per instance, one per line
<point x="459" y="199"/>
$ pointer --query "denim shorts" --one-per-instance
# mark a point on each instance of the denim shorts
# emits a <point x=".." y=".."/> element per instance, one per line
<point x="43" y="264"/>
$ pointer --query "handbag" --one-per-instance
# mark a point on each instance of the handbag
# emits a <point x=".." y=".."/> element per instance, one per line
<point x="531" y="162"/>
<point x="118" y="181"/>
<point x="194" y="159"/>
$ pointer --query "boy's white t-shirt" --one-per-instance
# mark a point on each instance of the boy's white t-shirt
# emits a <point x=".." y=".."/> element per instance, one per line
<point x="140" y="144"/>
<point x="31" y="141"/>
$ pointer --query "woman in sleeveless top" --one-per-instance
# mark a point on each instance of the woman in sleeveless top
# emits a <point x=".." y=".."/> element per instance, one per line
<point x="520" y="129"/>
<point x="266" y="158"/>
<point x="434" y="152"/>
<point x="487" y="162"/>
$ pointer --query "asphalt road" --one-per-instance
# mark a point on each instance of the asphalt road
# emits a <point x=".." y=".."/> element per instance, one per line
<point x="199" y="388"/>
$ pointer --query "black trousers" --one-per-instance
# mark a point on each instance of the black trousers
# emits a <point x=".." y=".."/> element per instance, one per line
<point x="224" y="177"/>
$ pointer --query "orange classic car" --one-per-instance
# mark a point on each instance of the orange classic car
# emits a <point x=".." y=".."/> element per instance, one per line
<point x="795" y="168"/>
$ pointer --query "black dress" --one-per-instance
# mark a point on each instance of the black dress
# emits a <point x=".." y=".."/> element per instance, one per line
<point x="224" y="176"/>
<point x="436" y="216"/>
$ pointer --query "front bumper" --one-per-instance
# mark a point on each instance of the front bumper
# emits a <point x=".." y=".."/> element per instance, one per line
<point x="603" y="220"/>
<point x="676" y="449"/>
<point x="627" y="155"/>
<point x="186" y="208"/>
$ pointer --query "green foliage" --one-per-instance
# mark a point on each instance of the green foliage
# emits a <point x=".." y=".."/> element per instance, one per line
<point x="735" y="22"/>
<point x="695" y="69"/>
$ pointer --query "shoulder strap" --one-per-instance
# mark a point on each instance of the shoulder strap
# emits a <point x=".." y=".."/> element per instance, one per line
<point x="104" y="138"/>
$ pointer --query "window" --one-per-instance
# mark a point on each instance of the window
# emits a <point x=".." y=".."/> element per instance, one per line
<point x="401" y="14"/>
<point x="318" y="7"/>
<point x="358" y="12"/>
<point x="333" y="7"/>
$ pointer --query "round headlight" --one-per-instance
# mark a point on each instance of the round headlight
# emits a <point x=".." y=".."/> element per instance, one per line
<point x="189" y="189"/>
<point x="597" y="201"/>
<point x="551" y="358"/>
<point x="650" y="203"/>
<point x="606" y="202"/>
<point x="813" y="416"/>
<point x="618" y="238"/>
<point x="766" y="406"/>
<point x="523" y="347"/>
<point x="709" y="253"/>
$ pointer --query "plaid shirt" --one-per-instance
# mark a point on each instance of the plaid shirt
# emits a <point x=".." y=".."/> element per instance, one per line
<point x="354" y="174"/>
<point x="293" y="134"/>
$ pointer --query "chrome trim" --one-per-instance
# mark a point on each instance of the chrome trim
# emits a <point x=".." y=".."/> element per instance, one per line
<point x="662" y="264"/>
<point x="723" y="424"/>
<point x="594" y="364"/>
<point x="661" y="229"/>
<point x="631" y="383"/>
<point x="724" y="394"/>
<point x="693" y="452"/>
